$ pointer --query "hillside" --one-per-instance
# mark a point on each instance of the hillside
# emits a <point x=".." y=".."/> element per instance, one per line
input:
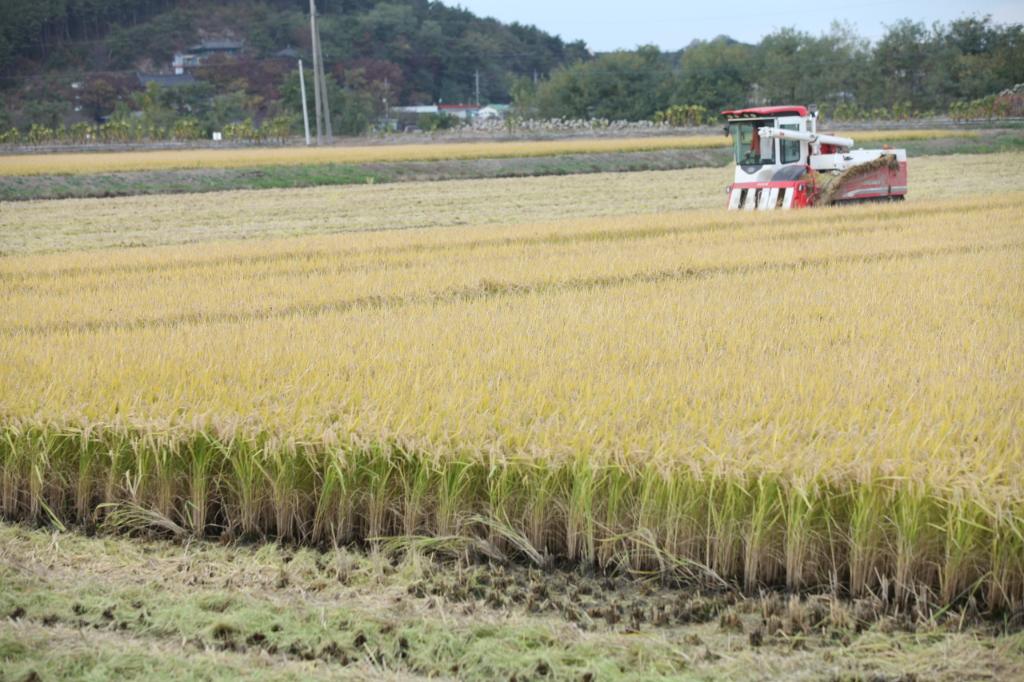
<point x="67" y="66"/>
<point x="406" y="50"/>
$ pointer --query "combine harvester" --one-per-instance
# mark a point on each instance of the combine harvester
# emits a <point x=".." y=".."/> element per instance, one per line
<point x="782" y="162"/>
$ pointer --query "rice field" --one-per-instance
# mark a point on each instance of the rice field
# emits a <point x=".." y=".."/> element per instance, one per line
<point x="805" y="399"/>
<point x="107" y="162"/>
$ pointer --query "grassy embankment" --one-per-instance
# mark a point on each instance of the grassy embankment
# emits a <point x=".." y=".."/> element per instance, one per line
<point x="57" y="176"/>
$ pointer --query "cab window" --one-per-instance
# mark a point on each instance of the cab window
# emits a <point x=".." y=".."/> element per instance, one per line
<point x="748" y="147"/>
<point x="789" y="150"/>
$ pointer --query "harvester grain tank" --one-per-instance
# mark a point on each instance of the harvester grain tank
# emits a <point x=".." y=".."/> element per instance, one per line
<point x="783" y="162"/>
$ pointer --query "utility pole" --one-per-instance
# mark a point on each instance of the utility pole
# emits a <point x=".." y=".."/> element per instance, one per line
<point x="305" y="109"/>
<point x="328" y="129"/>
<point x="316" y="72"/>
<point x="323" y="106"/>
<point x="387" y="105"/>
<point x="477" y="76"/>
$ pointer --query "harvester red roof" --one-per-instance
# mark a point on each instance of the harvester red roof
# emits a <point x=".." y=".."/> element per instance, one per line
<point x="788" y="110"/>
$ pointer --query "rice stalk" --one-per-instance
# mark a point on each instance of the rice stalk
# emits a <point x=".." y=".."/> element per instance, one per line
<point x="245" y="478"/>
<point x="918" y="540"/>
<point x="580" y="519"/>
<point x="334" y="514"/>
<point x="913" y="515"/>
<point x="964" y="563"/>
<point x="801" y="534"/>
<point x="1005" y="586"/>
<point x="761" y="536"/>
<point x="375" y="471"/>
<point x="867" y="556"/>
<point x="415" y="480"/>
<point x="728" y="503"/>
<point x="457" y="485"/>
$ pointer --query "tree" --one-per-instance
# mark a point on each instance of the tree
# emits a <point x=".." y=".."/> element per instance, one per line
<point x="352" y="110"/>
<point x="98" y="98"/>
<point x="986" y="58"/>
<point x="617" y="85"/>
<point x="715" y="74"/>
<point x="903" y="59"/>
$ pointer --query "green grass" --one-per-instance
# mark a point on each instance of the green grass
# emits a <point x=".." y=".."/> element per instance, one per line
<point x="21" y="188"/>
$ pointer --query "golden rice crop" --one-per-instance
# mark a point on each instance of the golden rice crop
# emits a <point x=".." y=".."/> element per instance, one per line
<point x="826" y="397"/>
<point x="39" y="226"/>
<point x="348" y="270"/>
<point x="860" y="136"/>
<point x="108" y="162"/>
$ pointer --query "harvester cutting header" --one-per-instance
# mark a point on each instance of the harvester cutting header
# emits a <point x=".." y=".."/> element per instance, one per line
<point x="782" y="162"/>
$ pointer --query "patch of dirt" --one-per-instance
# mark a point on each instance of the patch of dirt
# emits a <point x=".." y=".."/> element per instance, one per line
<point x="591" y="602"/>
<point x="595" y="602"/>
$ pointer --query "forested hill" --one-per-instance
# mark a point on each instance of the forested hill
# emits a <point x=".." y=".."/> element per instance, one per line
<point x="427" y="51"/>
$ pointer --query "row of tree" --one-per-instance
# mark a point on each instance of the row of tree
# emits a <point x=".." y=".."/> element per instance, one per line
<point x="912" y="69"/>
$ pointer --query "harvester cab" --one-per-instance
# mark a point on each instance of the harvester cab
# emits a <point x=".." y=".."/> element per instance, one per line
<point x="783" y="162"/>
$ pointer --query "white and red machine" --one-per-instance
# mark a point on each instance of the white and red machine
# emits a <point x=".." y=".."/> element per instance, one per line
<point x="782" y="162"/>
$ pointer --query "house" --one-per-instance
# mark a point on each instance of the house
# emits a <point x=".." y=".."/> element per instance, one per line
<point x="183" y="61"/>
<point x="493" y="112"/>
<point x="288" y="53"/>
<point x="199" y="53"/>
<point x="465" y="112"/>
<point x="417" y="109"/>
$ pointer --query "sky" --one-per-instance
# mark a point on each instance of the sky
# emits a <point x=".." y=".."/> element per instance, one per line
<point x="671" y="25"/>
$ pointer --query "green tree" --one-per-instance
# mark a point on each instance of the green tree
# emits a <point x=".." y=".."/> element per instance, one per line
<point x="715" y="74"/>
<point x="226" y="108"/>
<point x="352" y="110"/>
<point x="830" y="69"/>
<point x="152" y="104"/>
<point x="99" y="97"/>
<point x="617" y="85"/>
<point x="904" y="60"/>
<point x="981" y="54"/>
<point x="47" y="113"/>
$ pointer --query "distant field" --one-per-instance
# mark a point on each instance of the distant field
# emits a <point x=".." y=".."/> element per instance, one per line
<point x="41" y="226"/>
<point x="106" y="162"/>
<point x="176" y="181"/>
